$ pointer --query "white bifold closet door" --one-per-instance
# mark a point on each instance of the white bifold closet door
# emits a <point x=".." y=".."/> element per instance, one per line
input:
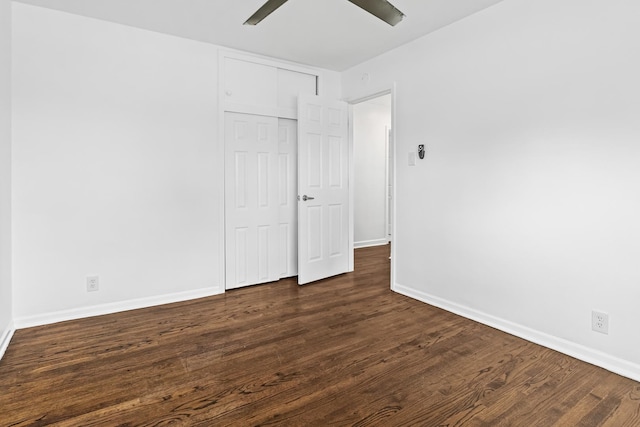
<point x="260" y="199"/>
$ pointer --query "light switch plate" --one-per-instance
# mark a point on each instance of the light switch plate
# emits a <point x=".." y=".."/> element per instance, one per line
<point x="412" y="158"/>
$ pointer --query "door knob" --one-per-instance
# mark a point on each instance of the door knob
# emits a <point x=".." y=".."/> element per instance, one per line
<point x="305" y="198"/>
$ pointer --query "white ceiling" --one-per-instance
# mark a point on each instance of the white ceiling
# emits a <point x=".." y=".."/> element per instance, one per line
<point x="332" y="34"/>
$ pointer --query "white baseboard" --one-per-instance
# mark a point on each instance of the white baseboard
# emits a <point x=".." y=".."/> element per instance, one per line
<point x="595" y="357"/>
<point x="368" y="243"/>
<point x="109" y="308"/>
<point x="5" y="338"/>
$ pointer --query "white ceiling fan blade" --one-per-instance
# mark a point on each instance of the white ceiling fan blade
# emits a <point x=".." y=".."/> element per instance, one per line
<point x="381" y="9"/>
<point x="264" y="11"/>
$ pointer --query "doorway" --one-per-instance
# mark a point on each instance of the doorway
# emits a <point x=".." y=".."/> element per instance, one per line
<point x="373" y="171"/>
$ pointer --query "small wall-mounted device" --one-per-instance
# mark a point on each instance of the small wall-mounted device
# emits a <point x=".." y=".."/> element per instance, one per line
<point x="421" y="151"/>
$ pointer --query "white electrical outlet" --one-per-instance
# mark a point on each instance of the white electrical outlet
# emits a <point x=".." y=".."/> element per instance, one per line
<point x="93" y="284"/>
<point x="600" y="322"/>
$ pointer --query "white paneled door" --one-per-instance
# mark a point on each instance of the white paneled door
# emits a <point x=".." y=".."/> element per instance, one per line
<point x="323" y="188"/>
<point x="251" y="200"/>
<point x="260" y="199"/>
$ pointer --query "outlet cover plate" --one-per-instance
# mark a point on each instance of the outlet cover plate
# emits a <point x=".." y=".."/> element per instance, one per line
<point x="93" y="283"/>
<point x="600" y="322"/>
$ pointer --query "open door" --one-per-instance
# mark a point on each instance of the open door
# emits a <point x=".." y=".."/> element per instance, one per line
<point x="323" y="188"/>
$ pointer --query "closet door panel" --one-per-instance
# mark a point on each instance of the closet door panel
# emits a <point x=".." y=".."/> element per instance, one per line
<point x="288" y="196"/>
<point x="252" y="206"/>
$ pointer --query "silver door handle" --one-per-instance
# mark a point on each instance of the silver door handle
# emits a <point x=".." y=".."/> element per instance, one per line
<point x="305" y="198"/>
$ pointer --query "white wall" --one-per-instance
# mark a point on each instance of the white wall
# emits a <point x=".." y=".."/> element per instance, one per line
<point x="118" y="166"/>
<point x="5" y="175"/>
<point x="371" y="121"/>
<point x="525" y="213"/>
<point x="117" y="169"/>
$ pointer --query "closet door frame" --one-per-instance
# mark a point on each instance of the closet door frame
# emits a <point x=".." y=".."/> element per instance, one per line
<point x="226" y="104"/>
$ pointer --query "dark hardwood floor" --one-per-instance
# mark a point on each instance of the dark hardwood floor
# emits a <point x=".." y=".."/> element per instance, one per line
<point x="342" y="352"/>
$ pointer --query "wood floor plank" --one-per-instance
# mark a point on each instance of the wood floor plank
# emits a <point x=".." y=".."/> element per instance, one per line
<point x="344" y="351"/>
